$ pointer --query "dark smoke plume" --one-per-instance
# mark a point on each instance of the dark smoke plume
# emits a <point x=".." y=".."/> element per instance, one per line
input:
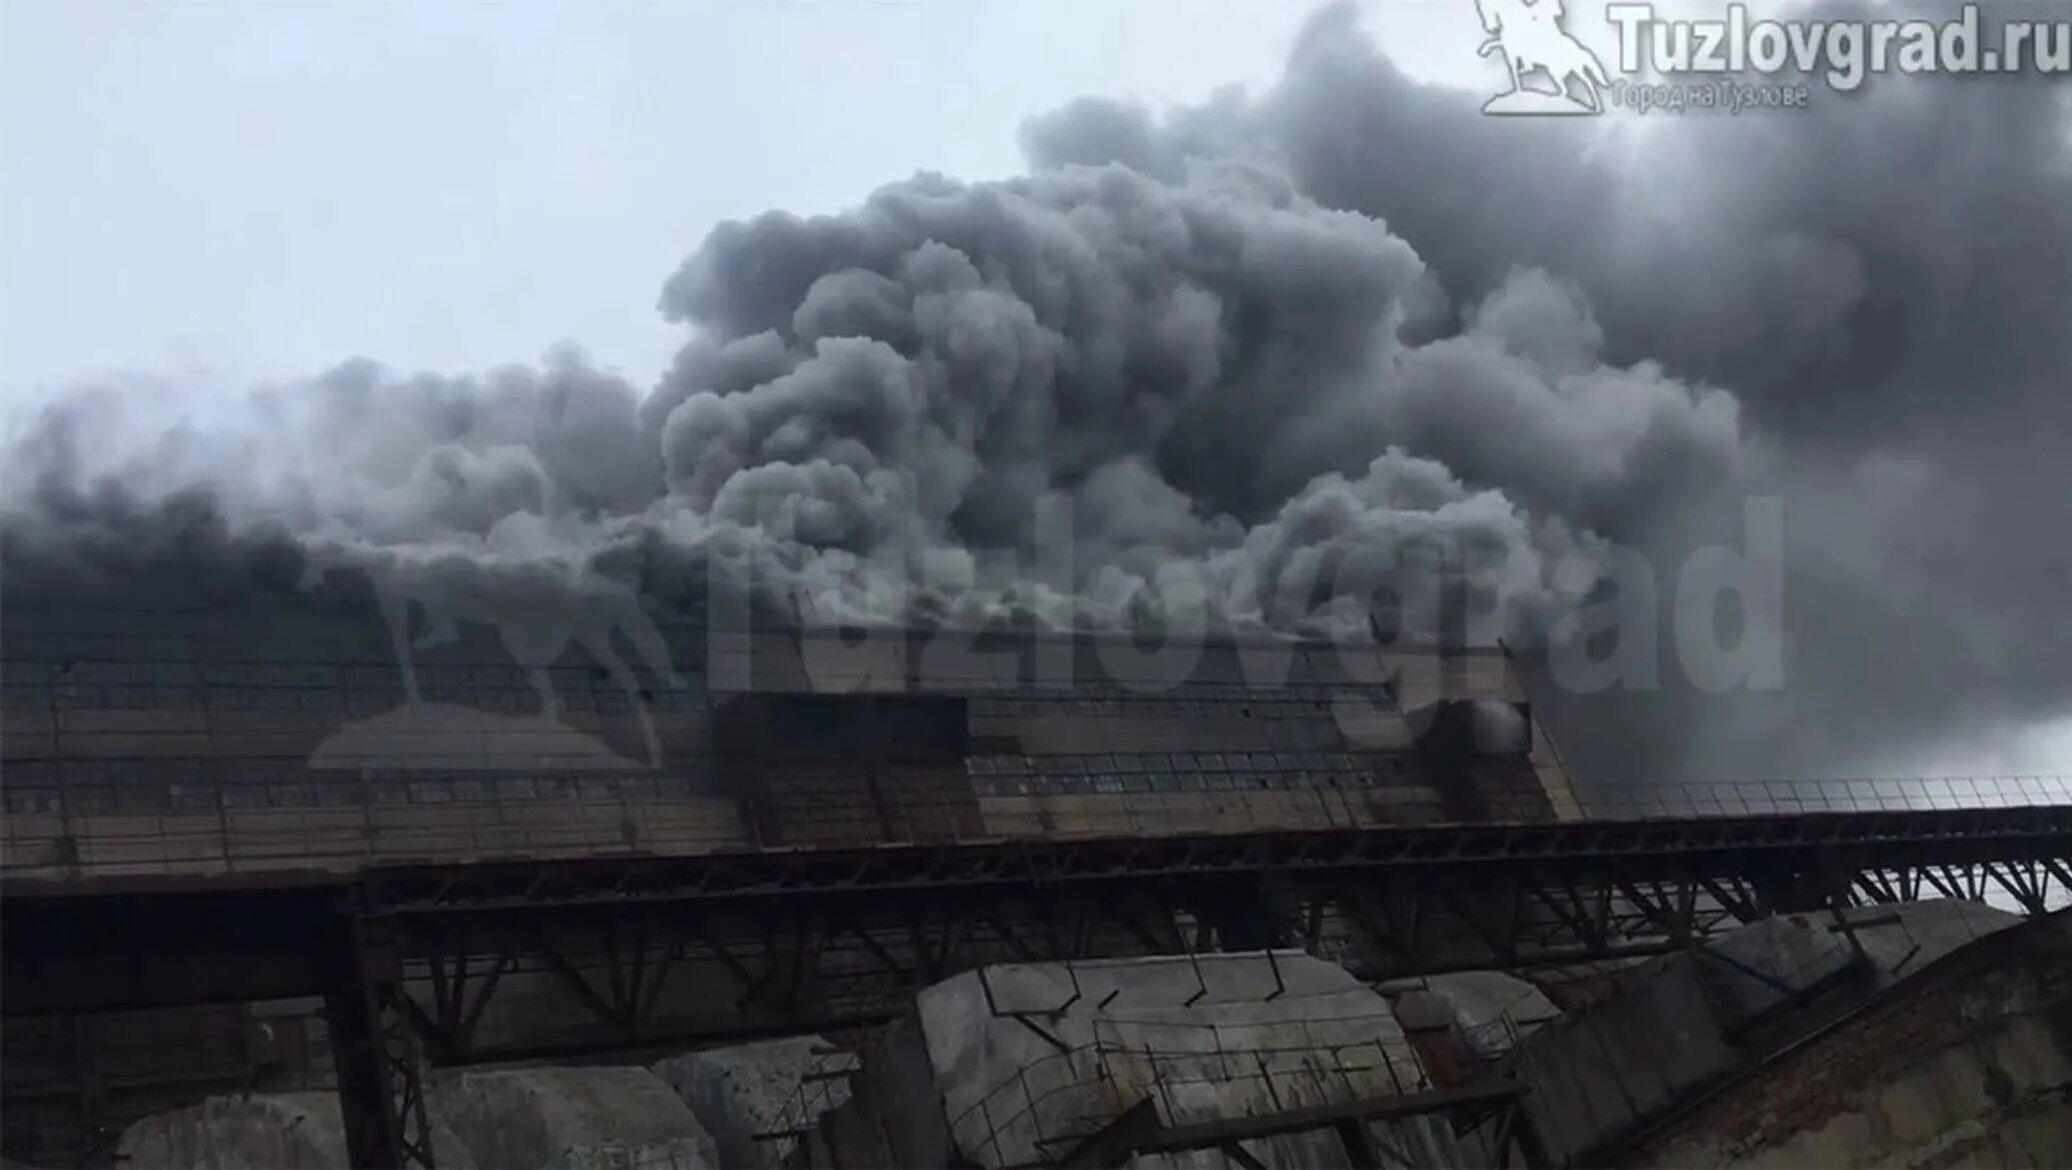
<point x="1884" y="281"/>
<point x="1272" y="363"/>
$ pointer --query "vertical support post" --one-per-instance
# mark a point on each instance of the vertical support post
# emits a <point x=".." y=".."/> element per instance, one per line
<point x="86" y="1081"/>
<point x="873" y="739"/>
<point x="380" y="1080"/>
<point x="1525" y="1137"/>
<point x="1360" y="1153"/>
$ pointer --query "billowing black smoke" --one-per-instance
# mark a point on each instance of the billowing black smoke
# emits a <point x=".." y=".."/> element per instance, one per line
<point x="1885" y="282"/>
<point x="1281" y="364"/>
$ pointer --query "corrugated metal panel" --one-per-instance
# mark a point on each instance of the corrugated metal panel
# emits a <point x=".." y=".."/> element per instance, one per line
<point x="144" y="829"/>
<point x="1168" y="813"/>
<point x="189" y="740"/>
<point x="842" y="804"/>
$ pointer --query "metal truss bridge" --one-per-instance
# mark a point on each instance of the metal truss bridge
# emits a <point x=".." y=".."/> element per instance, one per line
<point x="409" y="959"/>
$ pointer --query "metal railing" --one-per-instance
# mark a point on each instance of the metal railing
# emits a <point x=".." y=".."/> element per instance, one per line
<point x="219" y="825"/>
<point x="170" y="786"/>
<point x="1193" y="1071"/>
<point x="823" y="1087"/>
<point x="1792" y="797"/>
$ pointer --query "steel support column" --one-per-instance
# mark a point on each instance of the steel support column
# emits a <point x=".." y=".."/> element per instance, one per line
<point x="380" y="1083"/>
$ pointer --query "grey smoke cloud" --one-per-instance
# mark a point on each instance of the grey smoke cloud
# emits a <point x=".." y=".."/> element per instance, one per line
<point x="1193" y="363"/>
<point x="1883" y="283"/>
<point x="1206" y="377"/>
<point x="1261" y="363"/>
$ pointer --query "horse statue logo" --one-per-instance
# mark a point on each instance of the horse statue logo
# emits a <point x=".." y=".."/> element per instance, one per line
<point x="537" y="625"/>
<point x="1529" y="36"/>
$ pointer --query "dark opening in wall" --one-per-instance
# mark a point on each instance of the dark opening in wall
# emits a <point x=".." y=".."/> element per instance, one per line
<point x="894" y="728"/>
<point x="919" y="728"/>
<point x="812" y="727"/>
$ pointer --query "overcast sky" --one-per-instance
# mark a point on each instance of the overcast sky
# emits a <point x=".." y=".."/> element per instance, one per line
<point x="256" y="189"/>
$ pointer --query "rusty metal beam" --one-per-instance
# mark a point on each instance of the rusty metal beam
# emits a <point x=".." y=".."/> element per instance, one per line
<point x="879" y="921"/>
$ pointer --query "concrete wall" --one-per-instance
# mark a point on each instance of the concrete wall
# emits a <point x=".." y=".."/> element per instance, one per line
<point x="1968" y="1065"/>
<point x="520" y="1119"/>
<point x="1596" y="1074"/>
<point x="1682" y="1024"/>
<point x="573" y="1119"/>
<point x="287" y="1131"/>
<point x="740" y="1092"/>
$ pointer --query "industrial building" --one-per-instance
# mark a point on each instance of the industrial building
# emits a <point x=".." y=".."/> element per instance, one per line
<point x="400" y="869"/>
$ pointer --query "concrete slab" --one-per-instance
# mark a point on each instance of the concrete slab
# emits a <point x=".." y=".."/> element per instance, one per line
<point x="739" y="1092"/>
<point x="285" y="1131"/>
<point x="1014" y="1065"/>
<point x="573" y="1119"/>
